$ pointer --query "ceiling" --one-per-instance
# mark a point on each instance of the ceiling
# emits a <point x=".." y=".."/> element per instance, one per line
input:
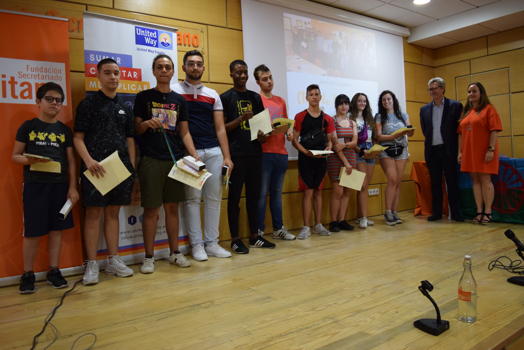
<point x="441" y="22"/>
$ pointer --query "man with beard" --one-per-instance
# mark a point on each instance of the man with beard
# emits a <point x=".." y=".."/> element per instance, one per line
<point x="206" y="125"/>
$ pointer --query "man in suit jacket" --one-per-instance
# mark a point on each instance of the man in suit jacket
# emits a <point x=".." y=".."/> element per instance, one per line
<point x="439" y="121"/>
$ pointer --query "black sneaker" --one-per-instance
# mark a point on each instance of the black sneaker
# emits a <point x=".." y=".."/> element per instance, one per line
<point x="55" y="278"/>
<point x="334" y="226"/>
<point x="261" y="242"/>
<point x="27" y="283"/>
<point x="344" y="225"/>
<point x="239" y="247"/>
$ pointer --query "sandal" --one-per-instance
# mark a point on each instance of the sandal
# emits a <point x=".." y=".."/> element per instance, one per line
<point x="486" y="218"/>
<point x="478" y="218"/>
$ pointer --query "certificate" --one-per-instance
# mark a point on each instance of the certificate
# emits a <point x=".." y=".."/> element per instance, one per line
<point x="47" y="167"/>
<point x="320" y="153"/>
<point x="116" y="173"/>
<point x="260" y="122"/>
<point x="354" y="181"/>
<point x="189" y="179"/>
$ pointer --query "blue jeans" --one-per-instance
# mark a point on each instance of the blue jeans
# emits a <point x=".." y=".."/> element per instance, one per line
<point x="274" y="167"/>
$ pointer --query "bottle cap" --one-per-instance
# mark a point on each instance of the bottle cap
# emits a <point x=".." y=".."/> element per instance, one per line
<point x="467" y="256"/>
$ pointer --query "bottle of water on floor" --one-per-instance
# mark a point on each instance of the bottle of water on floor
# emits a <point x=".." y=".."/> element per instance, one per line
<point x="467" y="294"/>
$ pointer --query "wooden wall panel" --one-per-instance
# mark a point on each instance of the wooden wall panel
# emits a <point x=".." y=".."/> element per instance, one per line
<point x="417" y="54"/>
<point x="417" y="77"/>
<point x="413" y="110"/>
<point x="234" y="14"/>
<point x="203" y="11"/>
<point x="449" y="72"/>
<point x="505" y="41"/>
<point x="517" y="114"/>
<point x="461" y="87"/>
<point x="505" y="146"/>
<point x="518" y="150"/>
<point x="407" y="195"/>
<point x="501" y="104"/>
<point x="375" y="202"/>
<point x="76" y="55"/>
<point x="73" y="12"/>
<point x="416" y="152"/>
<point x="496" y="82"/>
<point x="460" y="52"/>
<point x="77" y="88"/>
<point x="512" y="59"/>
<point x="225" y="45"/>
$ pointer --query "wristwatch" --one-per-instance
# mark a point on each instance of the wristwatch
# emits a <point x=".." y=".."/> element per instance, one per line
<point x="491" y="148"/>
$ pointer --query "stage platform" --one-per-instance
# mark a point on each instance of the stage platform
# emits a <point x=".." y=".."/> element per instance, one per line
<point x="353" y="290"/>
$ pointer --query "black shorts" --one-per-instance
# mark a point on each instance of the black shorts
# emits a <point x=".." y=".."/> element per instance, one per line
<point x="120" y="195"/>
<point x="42" y="204"/>
<point x="312" y="170"/>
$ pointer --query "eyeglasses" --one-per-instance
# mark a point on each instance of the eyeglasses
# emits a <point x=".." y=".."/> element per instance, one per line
<point x="197" y="64"/>
<point x="434" y="88"/>
<point x="50" y="99"/>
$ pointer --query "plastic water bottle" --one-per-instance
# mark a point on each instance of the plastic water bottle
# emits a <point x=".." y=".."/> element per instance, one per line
<point x="467" y="294"/>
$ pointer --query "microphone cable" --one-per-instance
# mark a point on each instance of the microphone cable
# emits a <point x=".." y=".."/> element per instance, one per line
<point x="49" y="317"/>
<point x="507" y="264"/>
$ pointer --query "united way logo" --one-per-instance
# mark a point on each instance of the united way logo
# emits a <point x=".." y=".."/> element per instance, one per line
<point x="165" y="40"/>
<point x="131" y="220"/>
<point x="153" y="38"/>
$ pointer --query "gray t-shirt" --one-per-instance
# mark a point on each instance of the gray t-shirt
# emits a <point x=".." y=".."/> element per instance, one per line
<point x="393" y="124"/>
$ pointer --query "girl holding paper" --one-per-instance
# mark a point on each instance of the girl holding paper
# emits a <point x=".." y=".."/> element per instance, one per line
<point x="388" y="120"/>
<point x="360" y="113"/>
<point x="344" y="145"/>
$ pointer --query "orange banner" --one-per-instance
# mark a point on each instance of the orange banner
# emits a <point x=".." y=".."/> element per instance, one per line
<point x="33" y="50"/>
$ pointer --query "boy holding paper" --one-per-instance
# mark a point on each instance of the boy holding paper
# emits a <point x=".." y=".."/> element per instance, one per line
<point x="274" y="157"/>
<point x="240" y="105"/>
<point x="314" y="130"/>
<point x="103" y="125"/>
<point x="44" y="146"/>
<point x="161" y="121"/>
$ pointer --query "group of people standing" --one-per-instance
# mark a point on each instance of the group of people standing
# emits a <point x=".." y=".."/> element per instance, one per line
<point x="191" y="119"/>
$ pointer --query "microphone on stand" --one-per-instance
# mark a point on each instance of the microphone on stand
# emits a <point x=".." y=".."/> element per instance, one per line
<point x="520" y="248"/>
<point x="430" y="325"/>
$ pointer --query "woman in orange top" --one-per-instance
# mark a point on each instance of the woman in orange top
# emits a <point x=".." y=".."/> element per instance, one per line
<point x="478" y="148"/>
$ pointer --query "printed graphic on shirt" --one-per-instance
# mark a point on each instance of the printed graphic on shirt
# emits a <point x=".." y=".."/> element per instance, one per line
<point x="166" y="113"/>
<point x="46" y="139"/>
<point x="244" y="106"/>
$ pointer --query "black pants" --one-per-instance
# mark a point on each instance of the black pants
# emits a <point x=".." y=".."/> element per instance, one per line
<point x="246" y="170"/>
<point x="438" y="164"/>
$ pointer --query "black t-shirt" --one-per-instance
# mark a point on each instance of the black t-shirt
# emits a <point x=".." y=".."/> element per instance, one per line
<point x="48" y="140"/>
<point x="106" y="123"/>
<point x="235" y="103"/>
<point x="172" y="108"/>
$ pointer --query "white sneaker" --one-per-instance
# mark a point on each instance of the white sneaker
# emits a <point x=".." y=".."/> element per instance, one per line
<point x="115" y="266"/>
<point x="321" y="230"/>
<point x="370" y="222"/>
<point x="283" y="234"/>
<point x="217" y="251"/>
<point x="148" y="265"/>
<point x="179" y="259"/>
<point x="363" y="223"/>
<point x="198" y="252"/>
<point x="91" y="273"/>
<point x="304" y="233"/>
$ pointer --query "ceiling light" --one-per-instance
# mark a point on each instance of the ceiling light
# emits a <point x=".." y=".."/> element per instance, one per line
<point x="420" y="2"/>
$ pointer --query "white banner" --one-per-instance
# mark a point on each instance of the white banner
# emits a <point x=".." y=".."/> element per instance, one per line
<point x="133" y="45"/>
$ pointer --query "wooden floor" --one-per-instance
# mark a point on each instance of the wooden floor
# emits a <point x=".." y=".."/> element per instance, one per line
<point x="353" y="290"/>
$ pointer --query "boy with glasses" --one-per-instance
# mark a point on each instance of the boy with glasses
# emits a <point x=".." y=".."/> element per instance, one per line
<point x="39" y="141"/>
